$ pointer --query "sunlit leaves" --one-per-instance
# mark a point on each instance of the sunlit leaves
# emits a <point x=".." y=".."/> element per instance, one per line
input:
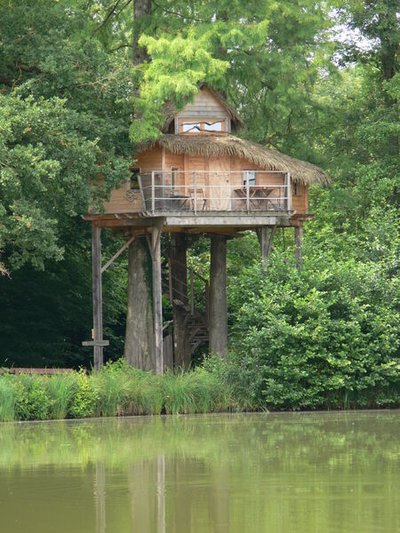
<point x="177" y="66"/>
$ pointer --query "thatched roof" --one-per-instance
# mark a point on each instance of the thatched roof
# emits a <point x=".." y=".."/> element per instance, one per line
<point x="228" y="145"/>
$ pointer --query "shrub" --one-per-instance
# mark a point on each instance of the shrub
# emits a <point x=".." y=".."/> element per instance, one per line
<point x="323" y="338"/>
<point x="84" y="403"/>
<point x="32" y="400"/>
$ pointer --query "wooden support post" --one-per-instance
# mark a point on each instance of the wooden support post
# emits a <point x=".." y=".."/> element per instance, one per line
<point x="289" y="192"/>
<point x="298" y="241"/>
<point x="247" y="193"/>
<point x="97" y="298"/>
<point x="157" y="298"/>
<point x="195" y="192"/>
<point x="218" y="325"/>
<point x="153" y="192"/>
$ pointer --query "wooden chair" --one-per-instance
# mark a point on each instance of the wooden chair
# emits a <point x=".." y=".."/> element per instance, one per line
<point x="197" y="198"/>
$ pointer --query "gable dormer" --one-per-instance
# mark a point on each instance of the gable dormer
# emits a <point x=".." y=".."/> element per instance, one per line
<point x="208" y="113"/>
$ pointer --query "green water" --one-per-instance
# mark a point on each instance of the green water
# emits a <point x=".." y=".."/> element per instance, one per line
<point x="303" y="473"/>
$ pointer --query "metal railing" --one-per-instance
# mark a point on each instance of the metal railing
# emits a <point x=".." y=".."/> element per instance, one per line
<point x="199" y="192"/>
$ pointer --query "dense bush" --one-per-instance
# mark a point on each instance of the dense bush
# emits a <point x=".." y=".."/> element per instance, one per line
<point x="327" y="336"/>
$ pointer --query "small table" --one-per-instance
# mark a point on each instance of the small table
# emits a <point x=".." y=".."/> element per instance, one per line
<point x="175" y="202"/>
<point x="258" y="195"/>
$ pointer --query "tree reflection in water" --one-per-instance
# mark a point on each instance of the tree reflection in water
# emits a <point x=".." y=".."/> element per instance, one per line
<point x="219" y="474"/>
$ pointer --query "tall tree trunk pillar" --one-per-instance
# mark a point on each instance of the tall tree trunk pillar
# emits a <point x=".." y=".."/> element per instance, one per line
<point x="218" y="325"/>
<point x="265" y="237"/>
<point x="139" y="338"/>
<point x="179" y="297"/>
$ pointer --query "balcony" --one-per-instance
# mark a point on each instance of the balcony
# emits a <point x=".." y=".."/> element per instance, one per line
<point x="214" y="192"/>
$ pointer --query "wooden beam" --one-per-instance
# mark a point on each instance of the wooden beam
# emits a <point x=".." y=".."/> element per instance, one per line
<point x="96" y="343"/>
<point x="117" y="254"/>
<point x="97" y="298"/>
<point x="157" y="298"/>
<point x="227" y="220"/>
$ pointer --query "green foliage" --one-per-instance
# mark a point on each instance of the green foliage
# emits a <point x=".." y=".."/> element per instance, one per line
<point x="32" y="401"/>
<point x="324" y="337"/>
<point x="234" y="383"/>
<point x="172" y="78"/>
<point x="117" y="390"/>
<point x="86" y="397"/>
<point x="7" y="398"/>
<point x="199" y="391"/>
<point x="61" y="390"/>
<point x="144" y="394"/>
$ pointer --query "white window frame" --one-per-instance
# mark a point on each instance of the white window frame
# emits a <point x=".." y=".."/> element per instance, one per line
<point x="250" y="177"/>
<point x="214" y="126"/>
<point x="191" y="127"/>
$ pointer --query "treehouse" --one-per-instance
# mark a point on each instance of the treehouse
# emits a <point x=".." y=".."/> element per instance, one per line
<point x="197" y="178"/>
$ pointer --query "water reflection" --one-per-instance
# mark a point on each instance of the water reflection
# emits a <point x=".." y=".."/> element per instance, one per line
<point x="100" y="497"/>
<point x="219" y="474"/>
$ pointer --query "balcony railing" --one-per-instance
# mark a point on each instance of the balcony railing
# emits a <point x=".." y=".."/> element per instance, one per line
<point x="199" y="192"/>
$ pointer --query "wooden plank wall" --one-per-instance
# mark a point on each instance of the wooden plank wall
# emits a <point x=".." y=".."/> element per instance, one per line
<point x="175" y="161"/>
<point x="300" y="200"/>
<point x="150" y="160"/>
<point x="119" y="202"/>
<point x="204" y="106"/>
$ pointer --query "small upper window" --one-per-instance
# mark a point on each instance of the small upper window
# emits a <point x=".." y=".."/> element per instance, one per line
<point x="208" y="126"/>
<point x="191" y="127"/>
<point x="249" y="176"/>
<point x="213" y="126"/>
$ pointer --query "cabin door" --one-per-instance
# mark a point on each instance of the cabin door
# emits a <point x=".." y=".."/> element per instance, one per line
<point x="220" y="184"/>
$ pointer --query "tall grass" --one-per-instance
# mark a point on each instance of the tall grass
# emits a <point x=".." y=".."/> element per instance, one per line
<point x="61" y="390"/>
<point x="198" y="391"/>
<point x="116" y="390"/>
<point x="7" y="398"/>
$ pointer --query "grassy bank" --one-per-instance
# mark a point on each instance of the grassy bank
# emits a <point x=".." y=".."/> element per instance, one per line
<point x="217" y="386"/>
<point x="118" y="390"/>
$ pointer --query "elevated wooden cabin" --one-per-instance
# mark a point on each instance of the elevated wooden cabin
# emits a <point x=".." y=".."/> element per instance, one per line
<point x="200" y="178"/>
<point x="201" y="175"/>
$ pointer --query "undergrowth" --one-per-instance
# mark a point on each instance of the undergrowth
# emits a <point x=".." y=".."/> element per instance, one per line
<point x="117" y="390"/>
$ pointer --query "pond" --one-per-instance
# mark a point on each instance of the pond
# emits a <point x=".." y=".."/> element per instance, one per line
<point x="292" y="472"/>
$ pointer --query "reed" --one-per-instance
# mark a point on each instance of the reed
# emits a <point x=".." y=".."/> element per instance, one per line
<point x="7" y="399"/>
<point x="61" y="390"/>
<point x="117" y="390"/>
